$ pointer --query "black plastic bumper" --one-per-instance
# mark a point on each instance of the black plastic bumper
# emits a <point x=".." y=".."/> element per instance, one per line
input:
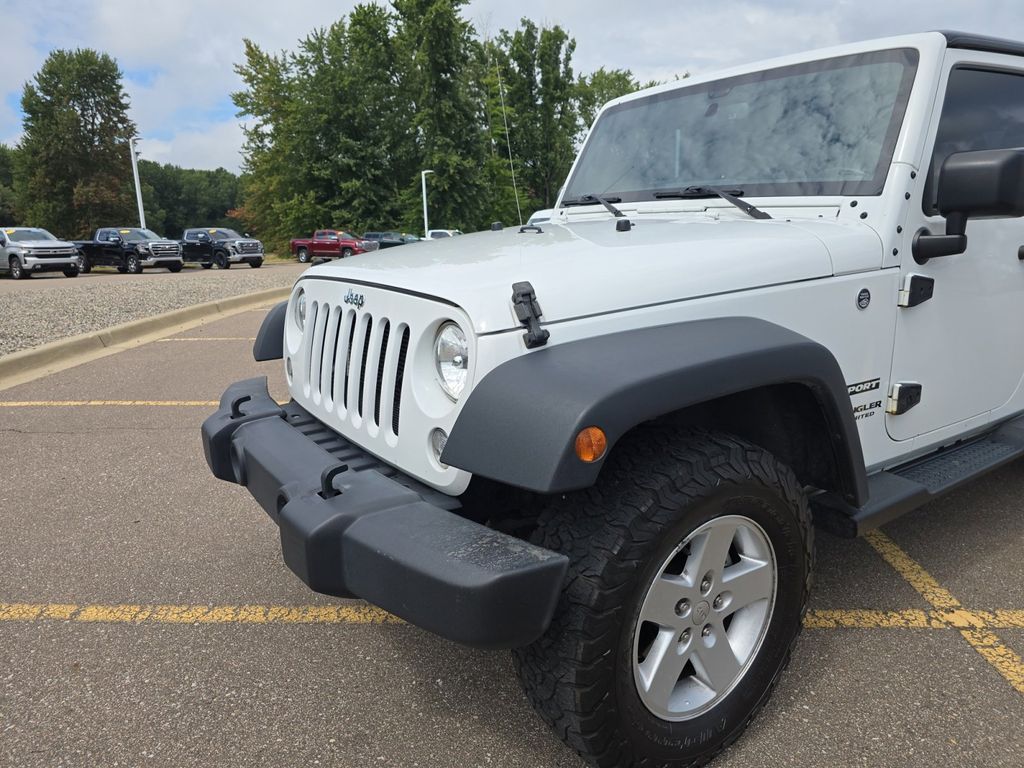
<point x="347" y="529"/>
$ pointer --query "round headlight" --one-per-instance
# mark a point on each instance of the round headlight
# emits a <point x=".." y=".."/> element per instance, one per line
<point x="452" y="355"/>
<point x="300" y="310"/>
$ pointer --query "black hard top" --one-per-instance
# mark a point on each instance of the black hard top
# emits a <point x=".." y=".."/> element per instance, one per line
<point x="974" y="42"/>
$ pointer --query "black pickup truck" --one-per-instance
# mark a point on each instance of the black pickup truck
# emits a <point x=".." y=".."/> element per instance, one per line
<point x="223" y="247"/>
<point x="130" y="249"/>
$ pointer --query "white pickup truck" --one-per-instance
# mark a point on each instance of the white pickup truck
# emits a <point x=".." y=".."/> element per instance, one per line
<point x="25" y="251"/>
<point x="792" y="286"/>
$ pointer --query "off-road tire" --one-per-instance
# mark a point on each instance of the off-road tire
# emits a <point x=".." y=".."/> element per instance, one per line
<point x="303" y="255"/>
<point x="17" y="269"/>
<point x="255" y="263"/>
<point x="84" y="267"/>
<point x="658" y="486"/>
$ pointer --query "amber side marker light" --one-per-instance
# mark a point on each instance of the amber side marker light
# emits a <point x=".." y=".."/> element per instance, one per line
<point x="591" y="444"/>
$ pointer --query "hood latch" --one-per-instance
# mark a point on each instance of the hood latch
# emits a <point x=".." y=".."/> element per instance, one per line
<point x="528" y="311"/>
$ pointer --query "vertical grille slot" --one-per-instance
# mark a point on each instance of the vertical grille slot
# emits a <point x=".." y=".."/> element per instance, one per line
<point x="311" y="363"/>
<point x="380" y="372"/>
<point x="342" y="357"/>
<point x="362" y="365"/>
<point x="348" y="354"/>
<point x="403" y="350"/>
<point x="329" y="356"/>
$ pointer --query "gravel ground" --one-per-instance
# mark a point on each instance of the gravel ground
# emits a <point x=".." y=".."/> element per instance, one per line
<point x="42" y="310"/>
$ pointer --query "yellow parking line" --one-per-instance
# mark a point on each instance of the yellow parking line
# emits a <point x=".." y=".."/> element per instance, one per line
<point x="862" y="619"/>
<point x="198" y="614"/>
<point x="105" y="403"/>
<point x="1005" y="661"/>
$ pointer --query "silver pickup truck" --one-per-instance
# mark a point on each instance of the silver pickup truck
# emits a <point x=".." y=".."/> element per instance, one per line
<point x="27" y="250"/>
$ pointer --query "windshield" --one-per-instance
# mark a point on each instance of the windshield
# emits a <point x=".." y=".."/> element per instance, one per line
<point x="824" y="127"/>
<point x="135" y="235"/>
<point x="226" y="234"/>
<point x="27" y="235"/>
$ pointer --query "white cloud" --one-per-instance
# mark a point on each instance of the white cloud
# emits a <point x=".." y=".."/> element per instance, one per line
<point x="180" y="55"/>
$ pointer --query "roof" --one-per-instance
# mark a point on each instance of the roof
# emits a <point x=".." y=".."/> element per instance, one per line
<point x="974" y="42"/>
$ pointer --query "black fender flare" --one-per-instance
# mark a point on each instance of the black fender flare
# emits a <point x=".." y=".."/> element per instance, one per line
<point x="520" y="422"/>
<point x="269" y="344"/>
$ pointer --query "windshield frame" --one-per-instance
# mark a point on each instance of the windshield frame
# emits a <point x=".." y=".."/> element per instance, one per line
<point x="137" y="235"/>
<point x="909" y="56"/>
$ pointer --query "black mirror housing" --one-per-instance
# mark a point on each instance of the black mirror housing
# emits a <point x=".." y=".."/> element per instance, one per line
<point x="985" y="183"/>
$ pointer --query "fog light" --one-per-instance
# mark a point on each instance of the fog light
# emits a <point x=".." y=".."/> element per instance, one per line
<point x="438" y="440"/>
<point x="591" y="444"/>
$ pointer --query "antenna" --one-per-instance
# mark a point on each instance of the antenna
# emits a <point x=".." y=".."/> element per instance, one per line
<point x="508" y="142"/>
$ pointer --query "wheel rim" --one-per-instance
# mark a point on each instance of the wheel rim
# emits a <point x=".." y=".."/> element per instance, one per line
<point x="133" y="264"/>
<point x="704" y="617"/>
<point x="16" y="269"/>
<point x="81" y="263"/>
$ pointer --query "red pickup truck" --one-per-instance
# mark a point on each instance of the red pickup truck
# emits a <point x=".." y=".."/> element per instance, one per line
<point x="330" y="244"/>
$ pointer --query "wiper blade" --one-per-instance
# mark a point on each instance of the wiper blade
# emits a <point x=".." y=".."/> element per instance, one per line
<point x="729" y="195"/>
<point x="594" y="199"/>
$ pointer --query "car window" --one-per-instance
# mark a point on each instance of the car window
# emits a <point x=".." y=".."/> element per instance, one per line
<point x="437" y="235"/>
<point x="983" y="109"/>
<point x="191" y="235"/>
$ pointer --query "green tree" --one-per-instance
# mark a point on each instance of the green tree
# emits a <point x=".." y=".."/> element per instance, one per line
<point x="541" y="104"/>
<point x="600" y="87"/>
<point x="448" y="131"/>
<point x="73" y="171"/>
<point x="179" y="198"/>
<point x="8" y="211"/>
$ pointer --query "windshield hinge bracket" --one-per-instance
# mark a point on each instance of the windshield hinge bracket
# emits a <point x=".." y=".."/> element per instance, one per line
<point x="528" y="312"/>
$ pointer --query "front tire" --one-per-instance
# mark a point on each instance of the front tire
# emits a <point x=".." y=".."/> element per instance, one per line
<point x="690" y="566"/>
<point x="133" y="265"/>
<point x="174" y="268"/>
<point x="221" y="260"/>
<point x="256" y="263"/>
<point x="84" y="267"/>
<point x="71" y="271"/>
<point x="346" y="252"/>
<point x="303" y="255"/>
<point x="17" y="269"/>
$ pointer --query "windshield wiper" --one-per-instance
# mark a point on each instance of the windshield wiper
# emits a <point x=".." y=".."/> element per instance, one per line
<point x="593" y="199"/>
<point x="729" y="195"/>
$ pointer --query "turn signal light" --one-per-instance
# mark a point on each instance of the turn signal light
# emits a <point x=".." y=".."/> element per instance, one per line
<point x="591" y="444"/>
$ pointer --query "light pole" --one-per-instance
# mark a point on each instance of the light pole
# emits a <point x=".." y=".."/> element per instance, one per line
<point x="133" y="148"/>
<point x="423" y="182"/>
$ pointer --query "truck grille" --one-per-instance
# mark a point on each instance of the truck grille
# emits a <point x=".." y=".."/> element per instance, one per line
<point x="249" y="247"/>
<point x="356" y="364"/>
<point x="62" y="253"/>
<point x="164" y="249"/>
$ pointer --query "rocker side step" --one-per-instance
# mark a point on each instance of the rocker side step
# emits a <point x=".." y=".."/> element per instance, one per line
<point x="902" y="489"/>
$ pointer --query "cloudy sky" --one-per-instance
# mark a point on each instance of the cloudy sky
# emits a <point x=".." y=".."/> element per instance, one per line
<point x="178" y="55"/>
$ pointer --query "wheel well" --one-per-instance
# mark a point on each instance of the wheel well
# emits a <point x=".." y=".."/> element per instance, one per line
<point x="785" y="419"/>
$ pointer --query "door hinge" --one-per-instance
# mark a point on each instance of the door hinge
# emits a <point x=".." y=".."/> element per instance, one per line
<point x="903" y="397"/>
<point x="917" y="289"/>
<point x="528" y="311"/>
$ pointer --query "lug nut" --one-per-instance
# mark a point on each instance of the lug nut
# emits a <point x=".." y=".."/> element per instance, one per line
<point x="718" y="603"/>
<point x="706" y="632"/>
<point x="705" y="583"/>
<point x="684" y="636"/>
<point x="682" y="607"/>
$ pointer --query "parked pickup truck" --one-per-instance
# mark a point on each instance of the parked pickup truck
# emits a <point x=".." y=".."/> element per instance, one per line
<point x="390" y="239"/>
<point x="330" y="244"/>
<point x="223" y="247"/>
<point x="27" y="250"/>
<point x="130" y="249"/>
<point x="597" y="441"/>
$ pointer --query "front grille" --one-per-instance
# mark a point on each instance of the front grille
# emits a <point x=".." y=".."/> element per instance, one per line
<point x="249" y="247"/>
<point x="356" y="364"/>
<point x="164" y="249"/>
<point x="52" y="254"/>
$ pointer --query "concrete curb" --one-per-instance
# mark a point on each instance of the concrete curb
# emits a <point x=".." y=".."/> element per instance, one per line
<point x="30" y="364"/>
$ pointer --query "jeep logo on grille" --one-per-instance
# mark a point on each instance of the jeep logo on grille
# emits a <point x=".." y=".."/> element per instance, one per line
<point x="354" y="298"/>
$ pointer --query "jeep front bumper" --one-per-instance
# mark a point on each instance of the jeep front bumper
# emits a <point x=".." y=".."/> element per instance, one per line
<point x="351" y="526"/>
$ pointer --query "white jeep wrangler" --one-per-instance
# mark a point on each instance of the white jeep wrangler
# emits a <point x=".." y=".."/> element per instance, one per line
<point x="790" y="286"/>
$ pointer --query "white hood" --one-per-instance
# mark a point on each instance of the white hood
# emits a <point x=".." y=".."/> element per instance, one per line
<point x="587" y="267"/>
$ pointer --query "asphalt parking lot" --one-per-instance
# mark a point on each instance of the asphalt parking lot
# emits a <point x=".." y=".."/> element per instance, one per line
<point x="146" y="617"/>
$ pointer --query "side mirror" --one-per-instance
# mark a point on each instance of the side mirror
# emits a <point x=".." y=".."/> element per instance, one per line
<point x="246" y="234"/>
<point x="987" y="183"/>
<point x="114" y="239"/>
